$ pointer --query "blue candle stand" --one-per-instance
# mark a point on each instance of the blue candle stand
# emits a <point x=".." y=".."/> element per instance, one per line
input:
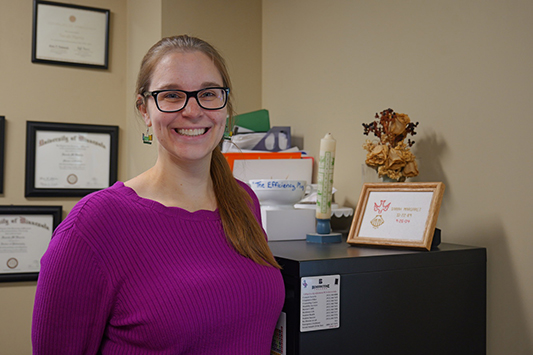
<point x="323" y="233"/>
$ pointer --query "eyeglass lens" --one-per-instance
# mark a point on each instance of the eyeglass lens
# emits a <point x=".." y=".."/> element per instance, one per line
<point x="175" y="100"/>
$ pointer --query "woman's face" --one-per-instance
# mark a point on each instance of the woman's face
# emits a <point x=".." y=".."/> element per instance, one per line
<point x="192" y="133"/>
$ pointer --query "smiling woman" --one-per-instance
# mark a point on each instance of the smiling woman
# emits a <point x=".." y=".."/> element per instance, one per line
<point x="143" y="266"/>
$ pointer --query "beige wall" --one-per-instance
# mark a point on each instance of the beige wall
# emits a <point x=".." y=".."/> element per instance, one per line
<point x="463" y="69"/>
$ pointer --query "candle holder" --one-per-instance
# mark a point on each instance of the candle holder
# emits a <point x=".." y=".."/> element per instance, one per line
<point x="324" y="194"/>
<point x="323" y="233"/>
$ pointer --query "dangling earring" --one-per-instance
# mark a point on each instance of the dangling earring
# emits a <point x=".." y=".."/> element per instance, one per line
<point x="147" y="138"/>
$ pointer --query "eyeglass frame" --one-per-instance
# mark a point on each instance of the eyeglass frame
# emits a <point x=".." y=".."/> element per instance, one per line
<point x="189" y="95"/>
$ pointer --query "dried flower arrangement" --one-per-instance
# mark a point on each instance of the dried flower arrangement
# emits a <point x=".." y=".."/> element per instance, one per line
<point x="391" y="156"/>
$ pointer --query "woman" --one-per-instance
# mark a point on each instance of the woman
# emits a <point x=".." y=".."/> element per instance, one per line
<point x="173" y="261"/>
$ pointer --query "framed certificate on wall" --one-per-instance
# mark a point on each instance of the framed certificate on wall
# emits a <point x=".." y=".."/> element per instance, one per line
<point x="70" y="34"/>
<point x="25" y="233"/>
<point x="67" y="159"/>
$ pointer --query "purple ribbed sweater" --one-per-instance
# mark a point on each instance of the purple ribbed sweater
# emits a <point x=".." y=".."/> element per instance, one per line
<point x="127" y="275"/>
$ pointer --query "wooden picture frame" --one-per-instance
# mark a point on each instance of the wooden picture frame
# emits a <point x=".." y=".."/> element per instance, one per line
<point x="69" y="159"/>
<point x="68" y="34"/>
<point x="26" y="232"/>
<point x="397" y="214"/>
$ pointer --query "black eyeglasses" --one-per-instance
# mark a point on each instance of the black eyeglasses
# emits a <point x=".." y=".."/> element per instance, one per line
<point x="214" y="98"/>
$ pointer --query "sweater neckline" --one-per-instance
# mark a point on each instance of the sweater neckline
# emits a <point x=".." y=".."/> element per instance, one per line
<point x="160" y="208"/>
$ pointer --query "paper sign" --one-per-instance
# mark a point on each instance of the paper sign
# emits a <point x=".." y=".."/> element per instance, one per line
<point x="320" y="303"/>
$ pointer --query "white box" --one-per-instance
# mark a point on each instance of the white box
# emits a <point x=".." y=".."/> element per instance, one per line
<point x="286" y="224"/>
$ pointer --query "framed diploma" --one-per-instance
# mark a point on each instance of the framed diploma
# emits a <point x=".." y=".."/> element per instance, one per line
<point x="67" y="159"/>
<point x="70" y="34"/>
<point x="397" y="214"/>
<point x="25" y="232"/>
<point x="2" y="151"/>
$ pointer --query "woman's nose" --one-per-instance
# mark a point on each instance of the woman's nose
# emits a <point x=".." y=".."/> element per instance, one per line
<point x="192" y="107"/>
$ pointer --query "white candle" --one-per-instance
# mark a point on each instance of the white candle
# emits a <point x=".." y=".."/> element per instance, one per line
<point x="326" y="163"/>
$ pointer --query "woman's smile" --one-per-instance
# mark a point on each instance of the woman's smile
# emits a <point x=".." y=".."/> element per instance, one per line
<point x="191" y="132"/>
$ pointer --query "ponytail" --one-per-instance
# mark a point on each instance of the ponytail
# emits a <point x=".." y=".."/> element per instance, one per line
<point x="235" y="206"/>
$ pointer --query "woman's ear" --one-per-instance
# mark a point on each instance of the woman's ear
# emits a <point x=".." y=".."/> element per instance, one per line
<point x="141" y="106"/>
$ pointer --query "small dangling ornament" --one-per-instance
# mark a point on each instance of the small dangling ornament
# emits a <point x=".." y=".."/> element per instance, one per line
<point x="147" y="138"/>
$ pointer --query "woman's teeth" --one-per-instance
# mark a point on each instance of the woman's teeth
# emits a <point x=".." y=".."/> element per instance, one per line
<point x="192" y="132"/>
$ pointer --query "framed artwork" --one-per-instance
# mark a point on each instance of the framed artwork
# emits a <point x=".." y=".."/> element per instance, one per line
<point x="67" y="159"/>
<point x="397" y="214"/>
<point x="26" y="232"/>
<point x="70" y="34"/>
<point x="2" y="151"/>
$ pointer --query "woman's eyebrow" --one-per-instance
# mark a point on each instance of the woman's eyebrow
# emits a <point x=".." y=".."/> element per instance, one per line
<point x="211" y="84"/>
<point x="207" y="84"/>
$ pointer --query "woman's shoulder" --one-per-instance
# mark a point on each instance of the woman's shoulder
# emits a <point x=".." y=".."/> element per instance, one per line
<point x="113" y="197"/>
<point x="102" y="205"/>
<point x="97" y="219"/>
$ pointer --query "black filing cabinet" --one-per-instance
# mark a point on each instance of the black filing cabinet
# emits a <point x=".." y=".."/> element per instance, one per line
<point x="391" y="301"/>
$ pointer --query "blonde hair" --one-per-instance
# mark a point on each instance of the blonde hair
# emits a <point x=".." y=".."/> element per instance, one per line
<point x="235" y="206"/>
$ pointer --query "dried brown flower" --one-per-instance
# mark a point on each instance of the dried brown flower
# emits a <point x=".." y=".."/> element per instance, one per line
<point x="377" y="155"/>
<point x="390" y="155"/>
<point x="410" y="169"/>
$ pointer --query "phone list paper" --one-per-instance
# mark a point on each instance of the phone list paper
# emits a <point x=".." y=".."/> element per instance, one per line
<point x="320" y="303"/>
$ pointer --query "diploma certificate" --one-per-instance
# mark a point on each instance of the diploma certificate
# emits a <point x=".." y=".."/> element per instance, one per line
<point x="68" y="159"/>
<point x="71" y="34"/>
<point x="23" y="241"/>
<point x="72" y="160"/>
<point x="25" y="233"/>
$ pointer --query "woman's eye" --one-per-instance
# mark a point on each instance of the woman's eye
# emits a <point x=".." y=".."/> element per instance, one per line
<point x="172" y="95"/>
<point x="208" y="94"/>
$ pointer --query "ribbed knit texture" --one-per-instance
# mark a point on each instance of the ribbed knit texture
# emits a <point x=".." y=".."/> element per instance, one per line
<point x="127" y="275"/>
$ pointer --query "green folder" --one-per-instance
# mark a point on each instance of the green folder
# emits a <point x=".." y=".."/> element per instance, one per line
<point x="257" y="121"/>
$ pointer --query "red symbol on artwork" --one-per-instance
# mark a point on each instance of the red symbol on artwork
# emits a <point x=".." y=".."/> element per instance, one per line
<point x="381" y="207"/>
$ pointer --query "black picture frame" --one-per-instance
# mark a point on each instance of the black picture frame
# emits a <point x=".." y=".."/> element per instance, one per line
<point x="2" y="151"/>
<point x="73" y="130"/>
<point x="9" y="257"/>
<point x="62" y="41"/>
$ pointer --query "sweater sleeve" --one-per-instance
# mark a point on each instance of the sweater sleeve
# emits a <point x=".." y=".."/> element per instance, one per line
<point x="72" y="302"/>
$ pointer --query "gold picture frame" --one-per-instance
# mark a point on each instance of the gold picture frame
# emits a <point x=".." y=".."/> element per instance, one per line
<point x="397" y="214"/>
